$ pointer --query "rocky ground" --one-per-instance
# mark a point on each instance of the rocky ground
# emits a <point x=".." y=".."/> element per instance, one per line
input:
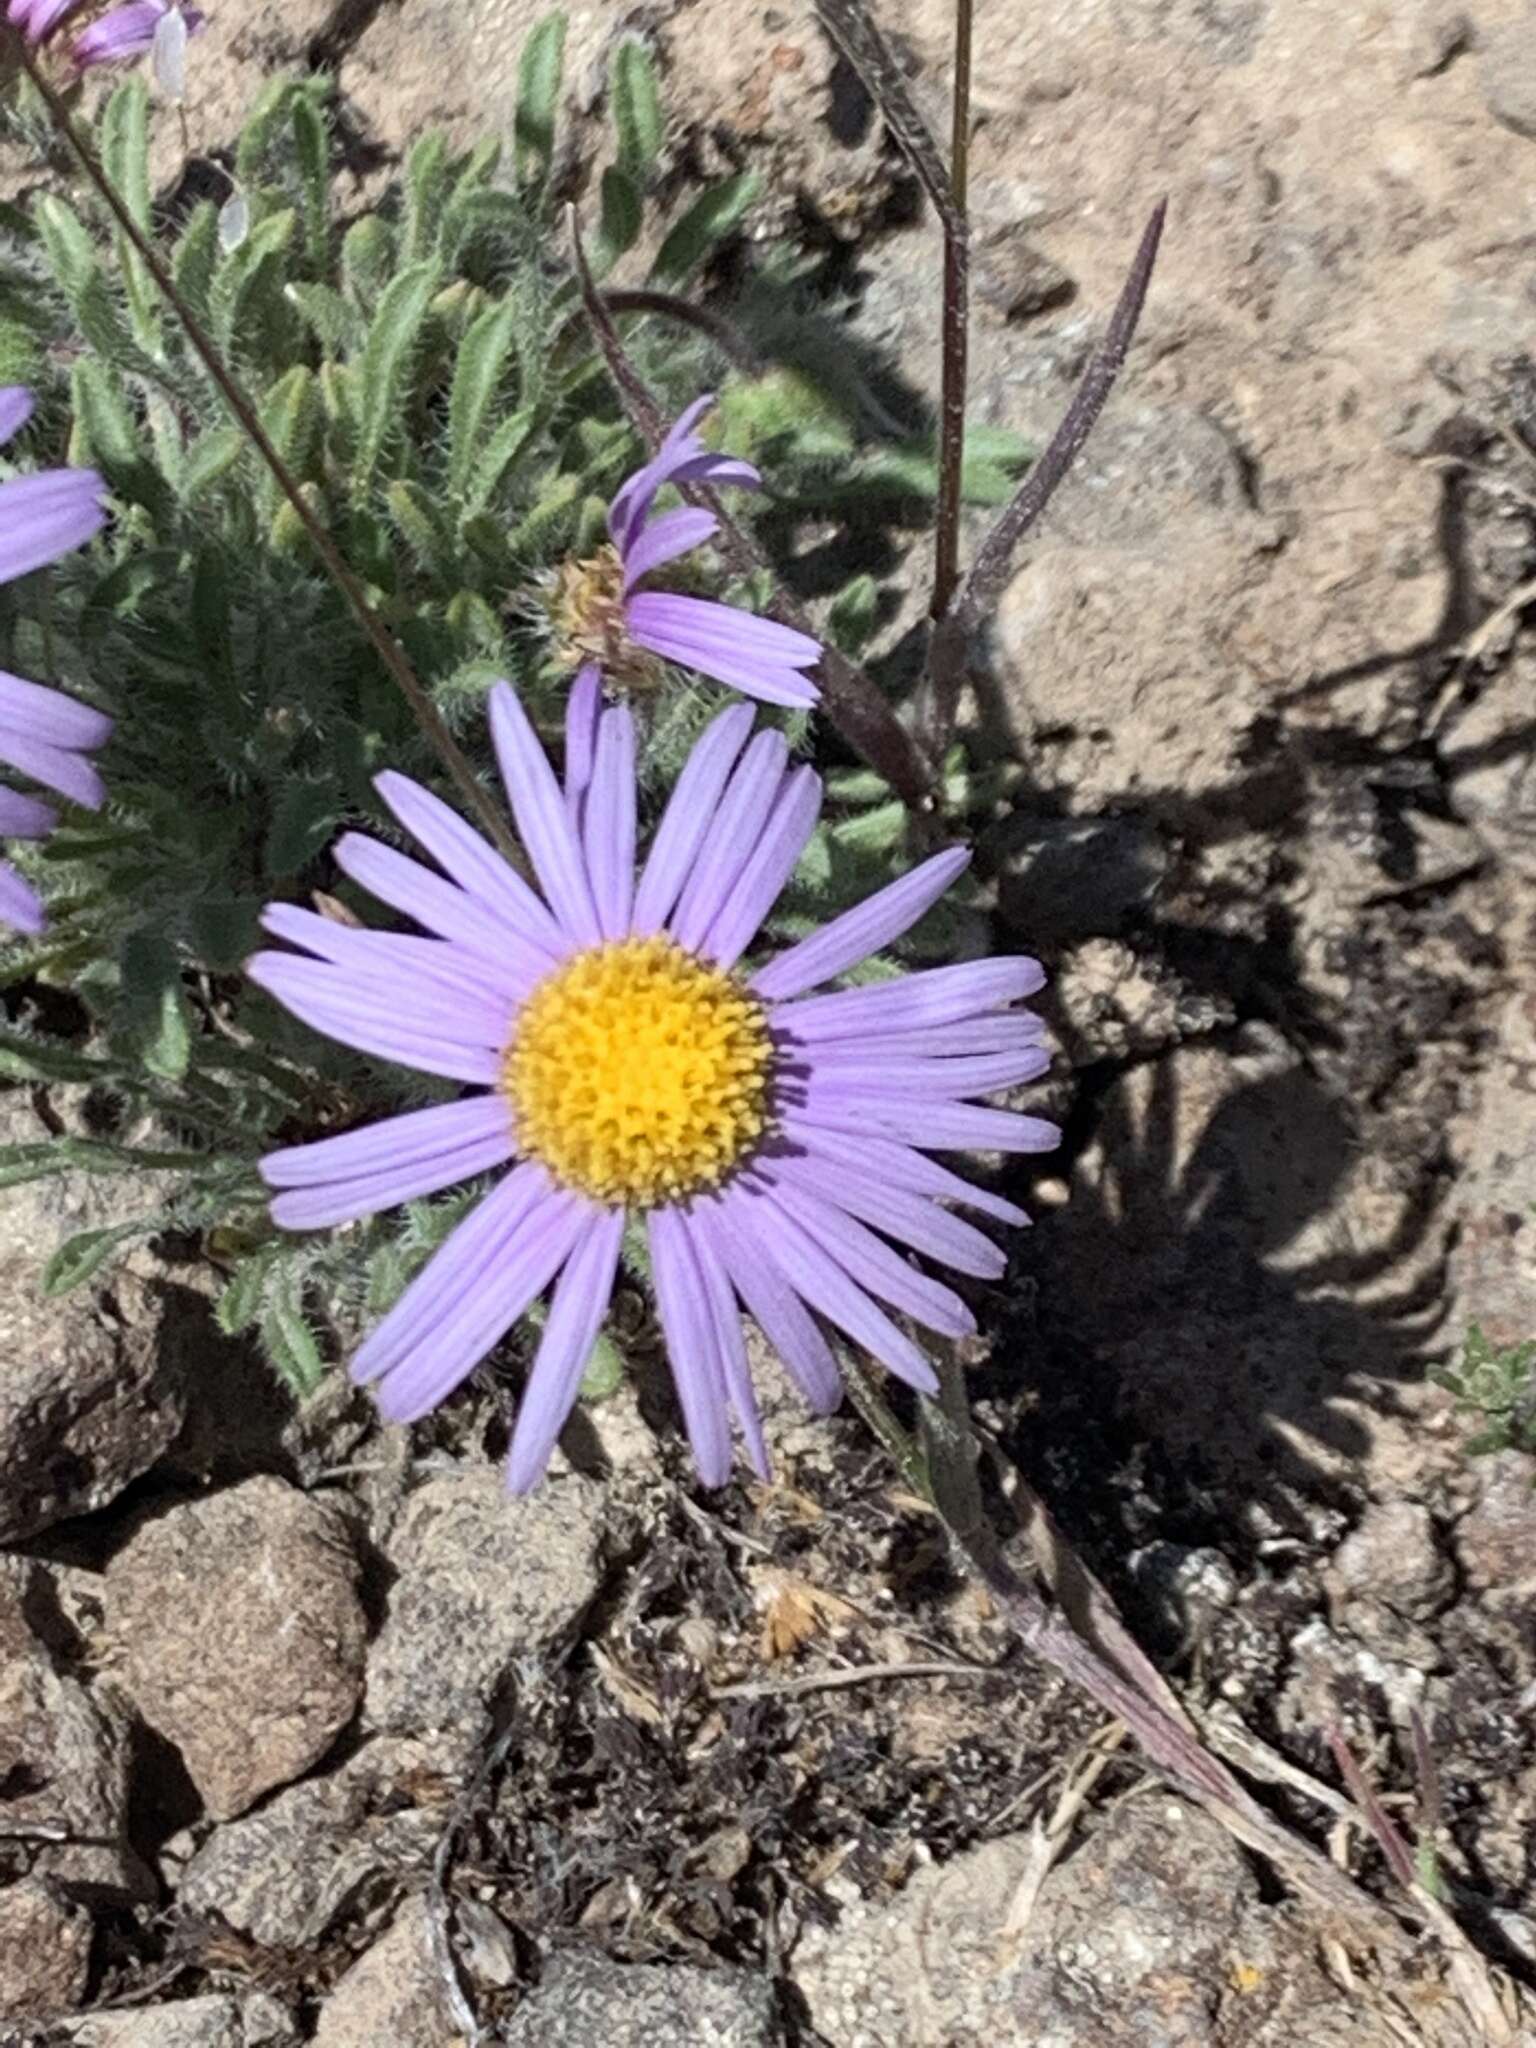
<point x="285" y="1697"/>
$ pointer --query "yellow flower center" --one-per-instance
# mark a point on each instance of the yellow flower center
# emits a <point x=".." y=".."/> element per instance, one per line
<point x="587" y="612"/>
<point x="638" y="1074"/>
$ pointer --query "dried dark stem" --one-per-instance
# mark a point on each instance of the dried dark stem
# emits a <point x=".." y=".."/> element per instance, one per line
<point x="989" y="572"/>
<point x="850" y="700"/>
<point x="389" y="651"/>
<point x="956" y="329"/>
<point x="855" y="32"/>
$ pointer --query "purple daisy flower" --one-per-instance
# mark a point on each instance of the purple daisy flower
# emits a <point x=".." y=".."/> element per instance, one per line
<point x="606" y="623"/>
<point x="124" y="34"/>
<point x="625" y="1063"/>
<point x="42" y="732"/>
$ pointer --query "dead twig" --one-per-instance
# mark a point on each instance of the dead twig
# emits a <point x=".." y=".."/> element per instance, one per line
<point x="846" y="1675"/>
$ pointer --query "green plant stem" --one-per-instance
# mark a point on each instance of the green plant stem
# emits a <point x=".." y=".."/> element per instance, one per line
<point x="388" y="649"/>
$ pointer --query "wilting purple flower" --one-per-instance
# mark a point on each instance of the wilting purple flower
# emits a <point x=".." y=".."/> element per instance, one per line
<point x="124" y="34"/>
<point x="42" y="732"/>
<point x="618" y="630"/>
<point x="37" y="19"/>
<point x="770" y="1137"/>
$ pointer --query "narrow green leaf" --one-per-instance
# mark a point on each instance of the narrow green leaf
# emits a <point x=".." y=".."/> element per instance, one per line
<point x="496" y="458"/>
<point x="312" y="147"/>
<point x="387" y="357"/>
<point x="539" y="75"/>
<point x="707" y="222"/>
<point x="125" y="157"/>
<point x="240" y="1304"/>
<point x="620" y="219"/>
<point x="291" y="1346"/>
<point x="336" y="323"/>
<point x="67" y="245"/>
<point x="477" y="376"/>
<point x="303" y="819"/>
<point x="367" y="259"/>
<point x="636" y="102"/>
<point x="83" y="1254"/>
<point x="853" y="614"/>
<point x="427" y="177"/>
<point x="197" y="256"/>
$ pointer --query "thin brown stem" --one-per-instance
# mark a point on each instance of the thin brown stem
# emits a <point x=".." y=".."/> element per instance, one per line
<point x="956" y="327"/>
<point x="989" y="572"/>
<point x="388" y="649"/>
<point x="850" y="700"/>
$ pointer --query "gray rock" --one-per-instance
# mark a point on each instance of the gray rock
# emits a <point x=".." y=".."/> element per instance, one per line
<point x="482" y="1576"/>
<point x="283" y="1874"/>
<point x="1126" y="1941"/>
<point x="587" y="1997"/>
<point x="64" y="1773"/>
<point x="45" y="1951"/>
<point x="394" y="1994"/>
<point x="1508" y="66"/>
<point x="1496" y="1539"/>
<point x="1391" y="1556"/>
<point x="242" y="1635"/>
<point x="90" y="1397"/>
<point x="221" y="2021"/>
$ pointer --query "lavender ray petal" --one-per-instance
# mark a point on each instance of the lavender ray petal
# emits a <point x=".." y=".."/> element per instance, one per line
<point x="449" y="967"/>
<point x="898" y="1166"/>
<point x="1005" y="1031"/>
<point x="404" y="1140"/>
<point x="608" y="829"/>
<point x="543" y="823"/>
<point x="861" y="931"/>
<point x="59" y="768"/>
<point x="575" y="1317"/>
<point x="744" y="810"/>
<point x="51" y="716"/>
<point x="664" y="539"/>
<point x="368" y="1023"/>
<point x="945" y="1126"/>
<point x="478" y="869"/>
<point x="870" y="1261"/>
<point x="930" y="997"/>
<point x="824" y="1285"/>
<point x="457" y="1013"/>
<point x="16" y="408"/>
<point x="471" y="1248"/>
<point x="899" y="1079"/>
<point x="504" y="1288"/>
<point x="911" y="1219"/>
<point x="688" y="1324"/>
<point x="41" y="520"/>
<point x="441" y="907"/>
<point x="687" y="818"/>
<point x="20" y="905"/>
<point x="25" y="817"/>
<point x="702" y="626"/>
<point x="582" y="708"/>
<point x="633" y="500"/>
<point x="768" y="867"/>
<point x="773" y="1304"/>
<point x="344" y="1201"/>
<point x="730" y="1344"/>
